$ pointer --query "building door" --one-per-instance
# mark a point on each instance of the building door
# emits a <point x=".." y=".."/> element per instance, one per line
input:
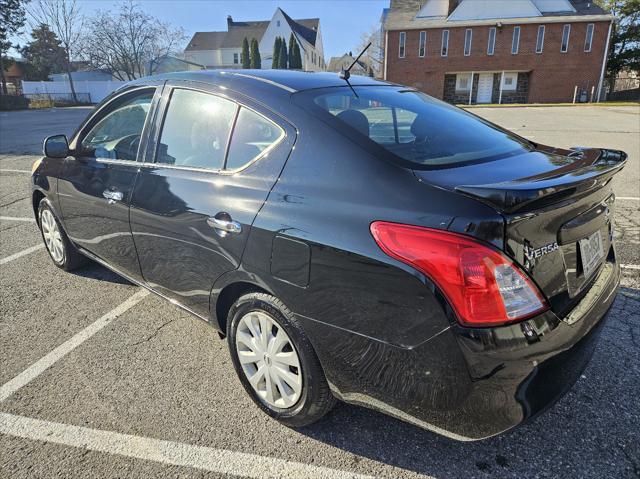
<point x="485" y="87"/>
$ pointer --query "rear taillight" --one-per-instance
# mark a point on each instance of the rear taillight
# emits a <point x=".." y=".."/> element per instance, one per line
<point x="482" y="285"/>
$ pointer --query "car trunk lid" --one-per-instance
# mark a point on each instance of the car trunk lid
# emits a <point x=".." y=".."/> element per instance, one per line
<point x="558" y="210"/>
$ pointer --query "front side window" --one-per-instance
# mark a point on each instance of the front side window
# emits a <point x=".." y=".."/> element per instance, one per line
<point x="566" y="30"/>
<point x="540" y="39"/>
<point x="401" y="45"/>
<point x="253" y="135"/>
<point x="445" y="43"/>
<point x="117" y="134"/>
<point x="515" y="41"/>
<point x="467" y="41"/>
<point x="196" y="130"/>
<point x="423" y="44"/>
<point x="588" y="39"/>
<point x="410" y="125"/>
<point x="491" y="45"/>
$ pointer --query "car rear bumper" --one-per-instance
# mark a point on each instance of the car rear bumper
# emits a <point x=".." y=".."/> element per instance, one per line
<point x="471" y="384"/>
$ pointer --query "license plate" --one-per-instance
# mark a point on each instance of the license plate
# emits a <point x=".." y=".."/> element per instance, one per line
<point x="592" y="252"/>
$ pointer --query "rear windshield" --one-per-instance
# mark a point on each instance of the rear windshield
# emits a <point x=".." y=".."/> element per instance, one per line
<point x="413" y="126"/>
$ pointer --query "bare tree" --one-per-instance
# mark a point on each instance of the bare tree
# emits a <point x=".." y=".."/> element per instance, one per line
<point x="129" y="42"/>
<point x="374" y="56"/>
<point x="66" y="21"/>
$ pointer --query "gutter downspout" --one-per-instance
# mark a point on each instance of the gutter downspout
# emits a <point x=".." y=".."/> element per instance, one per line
<point x="471" y="88"/>
<point x="386" y="48"/>
<point x="604" y="61"/>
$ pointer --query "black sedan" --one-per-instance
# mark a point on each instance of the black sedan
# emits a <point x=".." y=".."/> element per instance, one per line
<point x="354" y="240"/>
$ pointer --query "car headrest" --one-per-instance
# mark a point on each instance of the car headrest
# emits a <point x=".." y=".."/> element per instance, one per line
<point x="355" y="119"/>
<point x="422" y="126"/>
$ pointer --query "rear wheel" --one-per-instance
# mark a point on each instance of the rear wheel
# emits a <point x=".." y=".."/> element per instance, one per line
<point x="62" y="252"/>
<point x="276" y="362"/>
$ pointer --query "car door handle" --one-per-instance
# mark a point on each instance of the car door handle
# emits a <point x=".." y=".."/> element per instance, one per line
<point x="224" y="225"/>
<point x="112" y="196"/>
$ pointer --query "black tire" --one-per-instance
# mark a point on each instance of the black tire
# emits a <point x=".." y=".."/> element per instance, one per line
<point x="71" y="258"/>
<point x="316" y="398"/>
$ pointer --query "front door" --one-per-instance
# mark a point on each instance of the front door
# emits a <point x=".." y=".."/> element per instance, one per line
<point x="485" y="87"/>
<point x="198" y="193"/>
<point x="97" y="180"/>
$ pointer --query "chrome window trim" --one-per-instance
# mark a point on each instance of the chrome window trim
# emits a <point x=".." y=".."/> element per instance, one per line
<point x="117" y="161"/>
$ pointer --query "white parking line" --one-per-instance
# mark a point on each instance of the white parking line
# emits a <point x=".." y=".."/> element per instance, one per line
<point x="14" y="218"/>
<point x="37" y="368"/>
<point x="627" y="198"/>
<point x="15" y="171"/>
<point x="630" y="266"/>
<point x="219" y="461"/>
<point x="22" y="253"/>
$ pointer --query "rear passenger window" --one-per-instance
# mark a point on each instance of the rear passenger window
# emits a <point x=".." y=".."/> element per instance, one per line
<point x="252" y="136"/>
<point x="196" y="130"/>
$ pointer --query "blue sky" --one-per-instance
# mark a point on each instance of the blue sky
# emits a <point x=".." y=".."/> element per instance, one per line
<point x="342" y="21"/>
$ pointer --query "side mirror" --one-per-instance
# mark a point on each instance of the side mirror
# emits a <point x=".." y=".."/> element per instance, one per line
<point x="56" y="146"/>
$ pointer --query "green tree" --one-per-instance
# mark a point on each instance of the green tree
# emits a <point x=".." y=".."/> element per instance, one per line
<point x="283" y="60"/>
<point x="44" y="54"/>
<point x="12" y="19"/>
<point x="624" y="51"/>
<point x="292" y="41"/>
<point x="275" y="62"/>
<point x="256" y="61"/>
<point x="246" y="61"/>
<point x="297" y="58"/>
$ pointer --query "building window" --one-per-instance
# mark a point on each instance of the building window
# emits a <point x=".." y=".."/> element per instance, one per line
<point x="588" y="39"/>
<point x="445" y="43"/>
<point x="278" y="23"/>
<point x="515" y="42"/>
<point x="491" y="46"/>
<point x="566" y="30"/>
<point x="540" y="39"/>
<point x="468" y="35"/>
<point x="463" y="81"/>
<point x="403" y="39"/>
<point x="423" y="44"/>
<point x="236" y="58"/>
<point x="509" y="81"/>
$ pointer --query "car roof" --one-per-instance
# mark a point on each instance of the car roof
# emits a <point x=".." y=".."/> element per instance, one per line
<point x="287" y="80"/>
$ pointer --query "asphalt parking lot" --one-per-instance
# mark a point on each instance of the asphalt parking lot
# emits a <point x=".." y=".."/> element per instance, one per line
<point x="100" y="379"/>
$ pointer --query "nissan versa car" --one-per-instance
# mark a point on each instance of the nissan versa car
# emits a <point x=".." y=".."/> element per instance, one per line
<point x="352" y="239"/>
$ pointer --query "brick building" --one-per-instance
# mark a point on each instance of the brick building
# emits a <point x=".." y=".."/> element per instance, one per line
<point x="497" y="51"/>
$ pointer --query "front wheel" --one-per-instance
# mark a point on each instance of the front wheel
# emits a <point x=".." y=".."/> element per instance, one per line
<point x="276" y="362"/>
<point x="62" y="252"/>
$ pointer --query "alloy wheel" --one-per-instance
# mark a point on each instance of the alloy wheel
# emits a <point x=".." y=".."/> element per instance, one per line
<point x="269" y="360"/>
<point x="52" y="235"/>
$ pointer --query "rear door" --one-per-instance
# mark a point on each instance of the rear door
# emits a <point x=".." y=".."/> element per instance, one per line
<point x="216" y="157"/>
<point x="98" y="177"/>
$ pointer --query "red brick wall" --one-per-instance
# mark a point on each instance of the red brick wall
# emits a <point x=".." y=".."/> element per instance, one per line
<point x="553" y="74"/>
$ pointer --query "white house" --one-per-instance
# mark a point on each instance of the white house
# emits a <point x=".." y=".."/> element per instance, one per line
<point x="223" y="49"/>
